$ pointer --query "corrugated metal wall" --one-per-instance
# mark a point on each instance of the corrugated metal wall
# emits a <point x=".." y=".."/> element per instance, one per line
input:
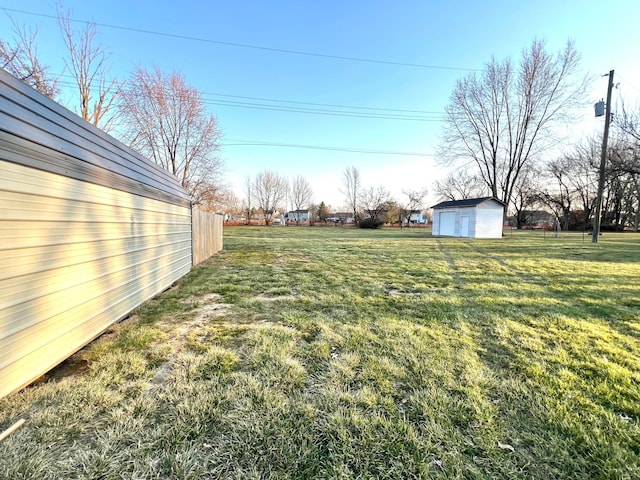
<point x="88" y="231"/>
<point x="207" y="234"/>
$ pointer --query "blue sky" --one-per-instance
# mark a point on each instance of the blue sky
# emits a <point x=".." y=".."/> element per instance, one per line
<point x="453" y="36"/>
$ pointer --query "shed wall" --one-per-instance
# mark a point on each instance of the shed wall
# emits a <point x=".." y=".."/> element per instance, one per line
<point x="88" y="231"/>
<point x="76" y="257"/>
<point x="447" y="223"/>
<point x="489" y="222"/>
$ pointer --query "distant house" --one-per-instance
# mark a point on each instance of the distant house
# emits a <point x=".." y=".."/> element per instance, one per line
<point x="417" y="216"/>
<point x="342" y="217"/>
<point x="470" y="218"/>
<point x="537" y="219"/>
<point x="297" y="216"/>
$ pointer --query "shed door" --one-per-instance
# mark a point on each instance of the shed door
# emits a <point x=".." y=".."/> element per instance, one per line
<point x="448" y="223"/>
<point x="464" y="226"/>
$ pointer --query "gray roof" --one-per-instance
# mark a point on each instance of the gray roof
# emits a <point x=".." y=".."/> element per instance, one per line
<point x="468" y="202"/>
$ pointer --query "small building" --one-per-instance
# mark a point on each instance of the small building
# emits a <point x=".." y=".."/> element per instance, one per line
<point x="418" y="216"/>
<point x="89" y="230"/>
<point x="342" y="217"/>
<point x="297" y="216"/>
<point x="534" y="219"/>
<point x="469" y="218"/>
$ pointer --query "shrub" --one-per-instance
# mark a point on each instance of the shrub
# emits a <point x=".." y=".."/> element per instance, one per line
<point x="370" y="223"/>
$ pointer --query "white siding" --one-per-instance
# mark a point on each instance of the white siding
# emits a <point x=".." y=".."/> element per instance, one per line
<point x="465" y="221"/>
<point x="298" y="216"/>
<point x="447" y="223"/>
<point x="484" y="220"/>
<point x="418" y="218"/>
<point x="489" y="220"/>
<point x="88" y="231"/>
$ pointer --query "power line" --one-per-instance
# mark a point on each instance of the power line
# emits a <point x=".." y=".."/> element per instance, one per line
<point x="334" y="113"/>
<point x="257" y="143"/>
<point x="353" y="107"/>
<point x="322" y="104"/>
<point x="628" y="83"/>
<point x="316" y="111"/>
<point x="296" y="102"/>
<point x="246" y="45"/>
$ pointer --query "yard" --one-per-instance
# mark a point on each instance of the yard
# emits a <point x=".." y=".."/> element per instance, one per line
<point x="341" y="353"/>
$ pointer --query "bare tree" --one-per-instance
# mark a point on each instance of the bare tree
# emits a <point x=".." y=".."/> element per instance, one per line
<point x="500" y="119"/>
<point x="351" y="185"/>
<point x="375" y="201"/>
<point x="248" y="197"/>
<point x="413" y="202"/>
<point x="19" y="56"/>
<point x="89" y="64"/>
<point x="228" y="202"/>
<point x="87" y="61"/>
<point x="459" y="185"/>
<point x="167" y="122"/>
<point x="582" y="168"/>
<point x="526" y="194"/>
<point x="300" y="195"/>
<point x="558" y="195"/>
<point x="629" y="121"/>
<point x="622" y="182"/>
<point x="313" y="214"/>
<point x="624" y="161"/>
<point x="223" y="201"/>
<point x="269" y="190"/>
<point x="626" y="156"/>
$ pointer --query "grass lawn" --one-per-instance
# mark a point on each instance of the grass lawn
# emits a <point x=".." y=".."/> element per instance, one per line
<point x="340" y="353"/>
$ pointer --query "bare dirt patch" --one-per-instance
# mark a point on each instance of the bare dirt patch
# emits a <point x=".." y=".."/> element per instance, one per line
<point x="185" y="327"/>
<point x="208" y="309"/>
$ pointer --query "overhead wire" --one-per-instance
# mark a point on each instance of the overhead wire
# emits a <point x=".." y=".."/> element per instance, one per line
<point x="627" y="82"/>
<point x="321" y="104"/>
<point x="335" y="113"/>
<point x="352" y="111"/>
<point x="254" y="143"/>
<point x="244" y="45"/>
<point x="296" y="102"/>
<point x="238" y="142"/>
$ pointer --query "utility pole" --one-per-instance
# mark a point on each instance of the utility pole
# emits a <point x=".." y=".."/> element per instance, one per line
<point x="603" y="161"/>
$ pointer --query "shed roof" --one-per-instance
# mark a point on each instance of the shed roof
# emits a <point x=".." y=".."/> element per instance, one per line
<point x="468" y="202"/>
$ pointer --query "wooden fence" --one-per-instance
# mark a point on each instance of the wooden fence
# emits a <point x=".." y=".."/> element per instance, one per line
<point x="207" y="234"/>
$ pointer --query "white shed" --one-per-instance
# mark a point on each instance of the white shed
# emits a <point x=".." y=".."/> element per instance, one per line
<point x="470" y="218"/>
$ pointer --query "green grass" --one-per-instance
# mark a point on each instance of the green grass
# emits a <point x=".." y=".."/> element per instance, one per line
<point x="339" y="353"/>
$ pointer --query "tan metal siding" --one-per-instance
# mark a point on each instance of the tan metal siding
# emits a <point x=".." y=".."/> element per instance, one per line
<point x="88" y="231"/>
<point x="76" y="257"/>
